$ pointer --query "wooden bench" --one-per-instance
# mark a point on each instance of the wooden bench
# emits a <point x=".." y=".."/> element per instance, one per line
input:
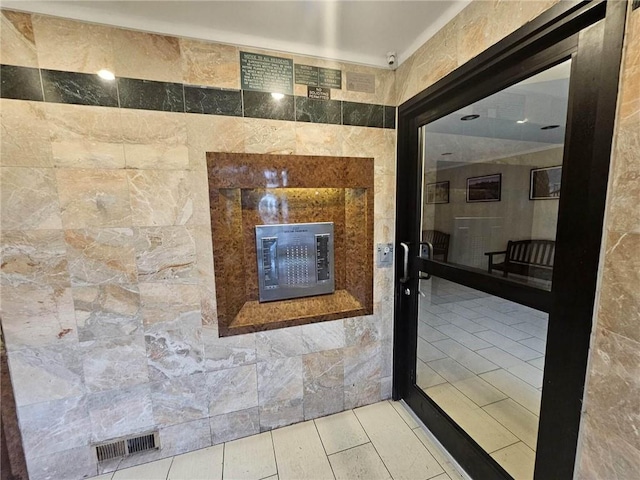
<point x="531" y="258"/>
<point x="439" y="240"/>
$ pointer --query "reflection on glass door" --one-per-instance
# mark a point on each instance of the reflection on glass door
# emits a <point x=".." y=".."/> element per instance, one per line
<point x="492" y="180"/>
<point x="481" y="359"/>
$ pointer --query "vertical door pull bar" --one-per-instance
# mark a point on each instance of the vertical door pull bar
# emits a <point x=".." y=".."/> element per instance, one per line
<point x="405" y="274"/>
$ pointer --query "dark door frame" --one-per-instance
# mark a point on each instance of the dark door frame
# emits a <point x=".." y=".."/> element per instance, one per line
<point x="549" y="39"/>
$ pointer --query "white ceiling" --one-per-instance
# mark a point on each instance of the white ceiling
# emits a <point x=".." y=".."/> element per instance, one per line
<point x="359" y="31"/>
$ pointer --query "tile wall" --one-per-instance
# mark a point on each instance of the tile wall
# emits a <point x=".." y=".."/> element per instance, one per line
<point x="610" y="431"/>
<point x="133" y="244"/>
<point x="108" y="294"/>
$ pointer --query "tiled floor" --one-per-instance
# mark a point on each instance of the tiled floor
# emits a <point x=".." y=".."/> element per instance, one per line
<point x="380" y="441"/>
<point x="481" y="358"/>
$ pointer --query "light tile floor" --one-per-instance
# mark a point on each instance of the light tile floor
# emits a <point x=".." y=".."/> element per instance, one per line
<point x="382" y="441"/>
<point x="481" y="358"/>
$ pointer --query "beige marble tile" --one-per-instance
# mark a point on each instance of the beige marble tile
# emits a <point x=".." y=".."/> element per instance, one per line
<point x="100" y="256"/>
<point x="17" y="42"/>
<point x="37" y="316"/>
<point x="323" y="383"/>
<point x="403" y="454"/>
<point x="205" y="464"/>
<point x="299" y="453"/>
<point x="93" y="198"/>
<point x="213" y="133"/>
<point x="166" y="254"/>
<point x="258" y="448"/>
<point x="160" y="198"/>
<point x="74" y="46"/>
<point x="168" y="302"/>
<point x="619" y="306"/>
<point x="517" y="459"/>
<point x="613" y="389"/>
<point x="340" y="431"/>
<point x="516" y="419"/>
<point x="146" y="127"/>
<point x="149" y="56"/>
<point x="317" y="139"/>
<point x="269" y="136"/>
<point x="384" y="199"/>
<point x="29" y="199"/>
<point x="24" y="134"/>
<point x="33" y="257"/>
<point x="85" y="137"/>
<point x="362" y="369"/>
<point x="622" y="211"/>
<point x="157" y="470"/>
<point x="232" y="389"/>
<point x="605" y="454"/>
<point x="107" y="311"/>
<point x="213" y="64"/>
<point x="485" y="430"/>
<point x="359" y="463"/>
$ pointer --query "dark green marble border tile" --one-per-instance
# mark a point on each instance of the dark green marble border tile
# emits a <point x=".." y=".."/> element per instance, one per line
<point x="78" y="89"/>
<point x="20" y="83"/>
<point x="318" y="111"/>
<point x="362" y="114"/>
<point x="151" y="95"/>
<point x="212" y="101"/>
<point x="263" y="105"/>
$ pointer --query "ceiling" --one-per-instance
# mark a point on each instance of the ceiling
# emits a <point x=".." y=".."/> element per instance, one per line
<point x="359" y="31"/>
<point x="513" y="121"/>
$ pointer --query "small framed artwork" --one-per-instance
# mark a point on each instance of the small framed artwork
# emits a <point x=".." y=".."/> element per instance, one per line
<point x="484" y="189"/>
<point x="438" y="192"/>
<point x="545" y="183"/>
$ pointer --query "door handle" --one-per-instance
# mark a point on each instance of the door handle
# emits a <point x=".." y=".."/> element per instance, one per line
<point x="405" y="274"/>
<point x="426" y="276"/>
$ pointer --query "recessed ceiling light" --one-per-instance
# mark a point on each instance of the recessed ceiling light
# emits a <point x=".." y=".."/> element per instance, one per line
<point x="549" y="127"/>
<point x="445" y="153"/>
<point x="277" y="96"/>
<point x="522" y="121"/>
<point x="106" y="74"/>
<point x="466" y="118"/>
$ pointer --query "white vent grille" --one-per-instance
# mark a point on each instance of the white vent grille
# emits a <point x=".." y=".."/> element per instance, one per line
<point x="127" y="446"/>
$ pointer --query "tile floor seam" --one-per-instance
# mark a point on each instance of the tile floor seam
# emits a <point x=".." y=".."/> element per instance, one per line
<point x="512" y="433"/>
<point x="275" y="457"/>
<point x="371" y="442"/>
<point x="169" y="469"/>
<point x="224" y="449"/>
<point x="324" y="449"/>
<point x="347" y="449"/>
<point x="422" y="428"/>
<point x="507" y="446"/>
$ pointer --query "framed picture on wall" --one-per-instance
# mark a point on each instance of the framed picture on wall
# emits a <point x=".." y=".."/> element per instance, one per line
<point x="545" y="183"/>
<point x="484" y="189"/>
<point x="438" y="192"/>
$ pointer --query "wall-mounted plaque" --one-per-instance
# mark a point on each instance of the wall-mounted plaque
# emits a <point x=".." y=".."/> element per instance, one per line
<point x="361" y="82"/>
<point x="264" y="73"/>
<point x="318" y="76"/>
<point x="319" y="93"/>
<point x="330" y="78"/>
<point x="306" y="75"/>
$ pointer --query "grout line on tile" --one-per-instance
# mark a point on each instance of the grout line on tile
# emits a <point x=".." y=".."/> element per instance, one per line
<point x="372" y="444"/>
<point x="275" y="457"/>
<point x="324" y="449"/>
<point x="169" y="469"/>
<point x="436" y="442"/>
<point x="224" y="449"/>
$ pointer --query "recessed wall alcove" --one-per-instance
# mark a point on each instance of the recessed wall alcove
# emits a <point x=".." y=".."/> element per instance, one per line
<point x="246" y="190"/>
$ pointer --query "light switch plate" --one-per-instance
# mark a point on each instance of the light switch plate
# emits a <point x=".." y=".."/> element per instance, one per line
<point x="385" y="254"/>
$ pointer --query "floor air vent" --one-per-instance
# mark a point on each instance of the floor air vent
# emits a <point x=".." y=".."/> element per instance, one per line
<point x="127" y="446"/>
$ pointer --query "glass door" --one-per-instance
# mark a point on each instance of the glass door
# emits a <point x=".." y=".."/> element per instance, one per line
<point x="502" y="172"/>
<point x="491" y="185"/>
